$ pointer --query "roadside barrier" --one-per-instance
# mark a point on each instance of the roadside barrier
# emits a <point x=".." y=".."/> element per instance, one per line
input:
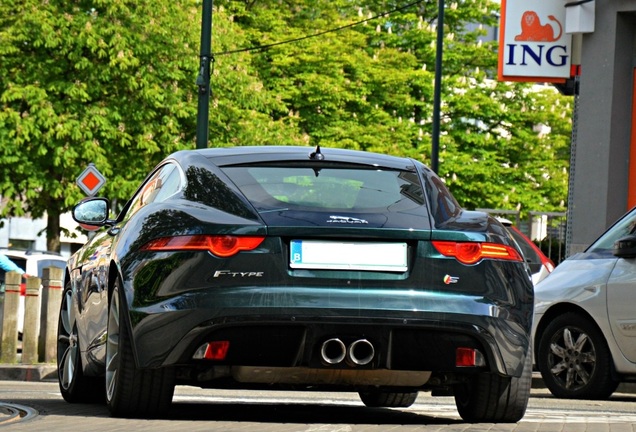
<point x="41" y="309"/>
<point x="52" y="278"/>
<point x="9" y="347"/>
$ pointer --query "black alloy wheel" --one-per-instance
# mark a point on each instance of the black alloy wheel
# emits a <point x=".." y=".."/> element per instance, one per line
<point x="132" y="392"/>
<point x="574" y="359"/>
<point x="74" y="385"/>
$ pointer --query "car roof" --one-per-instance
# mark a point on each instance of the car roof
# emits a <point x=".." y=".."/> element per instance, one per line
<point x="34" y="262"/>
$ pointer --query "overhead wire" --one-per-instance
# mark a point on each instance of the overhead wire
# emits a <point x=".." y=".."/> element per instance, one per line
<point x="321" y="33"/>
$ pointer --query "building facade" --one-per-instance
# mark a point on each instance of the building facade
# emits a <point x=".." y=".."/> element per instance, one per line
<point x="603" y="180"/>
<point x="24" y="233"/>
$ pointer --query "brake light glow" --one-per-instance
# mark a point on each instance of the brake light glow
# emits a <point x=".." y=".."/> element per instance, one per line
<point x="472" y="252"/>
<point x="222" y="245"/>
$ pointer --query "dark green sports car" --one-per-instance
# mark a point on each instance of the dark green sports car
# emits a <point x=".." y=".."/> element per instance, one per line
<point x="296" y="268"/>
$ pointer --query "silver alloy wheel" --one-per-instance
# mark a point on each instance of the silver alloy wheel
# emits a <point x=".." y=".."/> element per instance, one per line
<point x="112" y="345"/>
<point x="67" y="340"/>
<point x="572" y="358"/>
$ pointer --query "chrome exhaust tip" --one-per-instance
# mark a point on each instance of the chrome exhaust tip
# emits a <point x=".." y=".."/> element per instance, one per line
<point x="333" y="351"/>
<point x="360" y="352"/>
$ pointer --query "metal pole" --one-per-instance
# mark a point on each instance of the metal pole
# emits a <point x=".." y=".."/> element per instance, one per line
<point x="203" y="79"/>
<point x="438" y="88"/>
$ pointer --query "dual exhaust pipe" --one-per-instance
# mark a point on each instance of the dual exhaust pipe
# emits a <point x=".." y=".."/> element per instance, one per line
<point x="358" y="353"/>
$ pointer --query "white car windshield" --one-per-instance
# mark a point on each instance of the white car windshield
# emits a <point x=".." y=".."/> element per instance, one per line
<point x="624" y="227"/>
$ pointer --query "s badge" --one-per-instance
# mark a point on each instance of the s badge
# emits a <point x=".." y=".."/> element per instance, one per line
<point x="450" y="279"/>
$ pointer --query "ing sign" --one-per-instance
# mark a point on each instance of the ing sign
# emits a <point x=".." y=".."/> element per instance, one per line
<point x="533" y="45"/>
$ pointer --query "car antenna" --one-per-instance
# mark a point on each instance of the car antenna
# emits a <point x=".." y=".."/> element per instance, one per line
<point x="316" y="155"/>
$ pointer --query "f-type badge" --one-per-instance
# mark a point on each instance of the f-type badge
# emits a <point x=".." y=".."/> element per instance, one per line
<point x="450" y="279"/>
<point x="233" y="274"/>
<point x="346" y="220"/>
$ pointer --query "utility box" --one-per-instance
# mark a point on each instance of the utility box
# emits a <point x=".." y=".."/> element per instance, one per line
<point x="579" y="16"/>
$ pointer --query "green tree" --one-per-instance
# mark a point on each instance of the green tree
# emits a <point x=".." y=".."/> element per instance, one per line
<point x="370" y="87"/>
<point x="108" y="82"/>
<point x="242" y="110"/>
<point x="508" y="148"/>
<point x="113" y="83"/>
<point x="346" y="88"/>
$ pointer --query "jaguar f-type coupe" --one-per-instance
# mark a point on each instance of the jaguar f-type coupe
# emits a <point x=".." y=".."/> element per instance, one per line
<point x="295" y="268"/>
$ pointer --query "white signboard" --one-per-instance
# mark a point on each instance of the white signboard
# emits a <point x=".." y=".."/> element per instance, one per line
<point x="533" y="45"/>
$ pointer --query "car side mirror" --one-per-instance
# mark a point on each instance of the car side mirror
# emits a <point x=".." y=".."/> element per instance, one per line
<point x="92" y="211"/>
<point x="625" y="247"/>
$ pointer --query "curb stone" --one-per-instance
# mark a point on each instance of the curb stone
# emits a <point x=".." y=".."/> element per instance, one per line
<point x="39" y="372"/>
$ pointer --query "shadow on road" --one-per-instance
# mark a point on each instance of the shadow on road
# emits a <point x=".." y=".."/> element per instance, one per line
<point x="300" y="413"/>
<point x="247" y="412"/>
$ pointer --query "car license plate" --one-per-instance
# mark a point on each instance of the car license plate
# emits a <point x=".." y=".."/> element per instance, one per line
<point x="327" y="255"/>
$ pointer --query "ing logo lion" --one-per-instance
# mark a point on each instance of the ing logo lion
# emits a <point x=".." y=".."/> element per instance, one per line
<point x="533" y="31"/>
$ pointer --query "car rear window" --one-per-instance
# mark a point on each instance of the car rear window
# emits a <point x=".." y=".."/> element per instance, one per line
<point x="352" y="189"/>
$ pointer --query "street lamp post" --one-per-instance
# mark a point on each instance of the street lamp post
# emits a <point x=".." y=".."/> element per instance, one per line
<point x="437" y="91"/>
<point x="203" y="78"/>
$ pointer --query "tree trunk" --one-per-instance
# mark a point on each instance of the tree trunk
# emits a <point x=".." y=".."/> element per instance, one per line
<point x="53" y="243"/>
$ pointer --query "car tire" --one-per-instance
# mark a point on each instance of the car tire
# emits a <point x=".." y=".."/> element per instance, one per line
<point x="492" y="398"/>
<point x="574" y="359"/>
<point x="379" y="398"/>
<point x="130" y="391"/>
<point x="74" y="385"/>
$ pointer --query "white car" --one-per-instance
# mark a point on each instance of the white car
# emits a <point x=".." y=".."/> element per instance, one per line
<point x="585" y="320"/>
<point x="33" y="263"/>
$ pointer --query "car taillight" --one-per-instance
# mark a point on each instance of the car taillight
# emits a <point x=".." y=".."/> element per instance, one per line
<point x="222" y="246"/>
<point x="216" y="350"/>
<point x="549" y="265"/>
<point x="473" y="252"/>
<point x="467" y="357"/>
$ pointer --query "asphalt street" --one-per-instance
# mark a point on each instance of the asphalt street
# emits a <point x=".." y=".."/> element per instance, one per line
<point x="30" y="400"/>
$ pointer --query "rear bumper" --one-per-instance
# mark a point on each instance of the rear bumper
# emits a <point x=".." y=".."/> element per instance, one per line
<point x="405" y="338"/>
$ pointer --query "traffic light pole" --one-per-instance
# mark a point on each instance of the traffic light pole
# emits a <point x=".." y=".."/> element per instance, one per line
<point x="437" y="91"/>
<point x="203" y="79"/>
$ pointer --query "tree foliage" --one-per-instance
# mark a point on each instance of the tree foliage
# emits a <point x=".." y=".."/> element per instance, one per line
<point x="107" y="82"/>
<point x="113" y="83"/>
<point x="370" y="87"/>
